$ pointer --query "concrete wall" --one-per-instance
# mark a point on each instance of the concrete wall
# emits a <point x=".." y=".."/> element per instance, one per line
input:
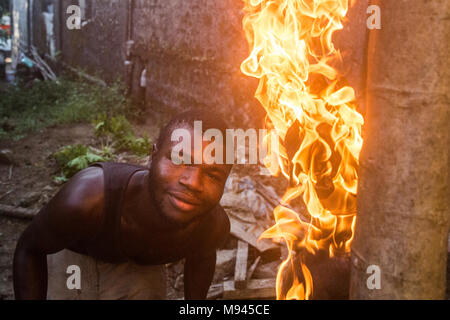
<point x="191" y="51"/>
<point x="98" y="47"/>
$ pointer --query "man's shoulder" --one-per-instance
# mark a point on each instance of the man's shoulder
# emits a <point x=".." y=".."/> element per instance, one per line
<point x="86" y="185"/>
<point x="82" y="194"/>
<point x="76" y="210"/>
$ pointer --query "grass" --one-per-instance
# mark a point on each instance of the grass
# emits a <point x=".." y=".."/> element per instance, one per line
<point x="29" y="107"/>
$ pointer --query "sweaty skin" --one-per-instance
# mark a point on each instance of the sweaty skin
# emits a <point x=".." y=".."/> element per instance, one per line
<point x="170" y="212"/>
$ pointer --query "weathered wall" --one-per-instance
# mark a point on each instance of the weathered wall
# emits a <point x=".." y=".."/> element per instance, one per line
<point x="98" y="47"/>
<point x="39" y="31"/>
<point x="192" y="51"/>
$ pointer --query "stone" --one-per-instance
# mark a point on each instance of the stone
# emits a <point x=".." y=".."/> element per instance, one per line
<point x="29" y="199"/>
<point x="6" y="157"/>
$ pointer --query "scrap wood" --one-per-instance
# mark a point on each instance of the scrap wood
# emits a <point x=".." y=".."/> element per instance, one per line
<point x="251" y="238"/>
<point x="17" y="212"/>
<point x="253" y="267"/>
<point x="240" y="271"/>
<point x="215" y="291"/>
<point x="256" y="289"/>
<point x="84" y="75"/>
<point x="40" y="63"/>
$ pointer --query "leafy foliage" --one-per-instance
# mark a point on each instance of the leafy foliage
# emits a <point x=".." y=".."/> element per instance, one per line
<point x="29" y="107"/>
<point x="74" y="158"/>
<point x="116" y="132"/>
<point x="116" y="135"/>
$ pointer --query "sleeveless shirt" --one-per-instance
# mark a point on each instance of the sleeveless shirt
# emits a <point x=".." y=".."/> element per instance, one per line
<point x="116" y="179"/>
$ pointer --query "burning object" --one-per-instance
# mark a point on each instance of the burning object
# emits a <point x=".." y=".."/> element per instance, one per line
<point x="315" y="117"/>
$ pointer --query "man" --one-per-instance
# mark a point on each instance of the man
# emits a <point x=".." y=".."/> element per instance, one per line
<point x="118" y="224"/>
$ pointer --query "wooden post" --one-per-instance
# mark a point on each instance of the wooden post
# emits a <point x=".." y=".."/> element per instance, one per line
<point x="240" y="271"/>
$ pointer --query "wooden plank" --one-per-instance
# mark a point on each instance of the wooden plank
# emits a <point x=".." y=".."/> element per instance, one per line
<point x="240" y="270"/>
<point x="256" y="289"/>
<point x="262" y="245"/>
<point x="252" y="269"/>
<point x="215" y="291"/>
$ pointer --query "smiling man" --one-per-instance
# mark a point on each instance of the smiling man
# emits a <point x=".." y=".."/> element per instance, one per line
<point x="109" y="231"/>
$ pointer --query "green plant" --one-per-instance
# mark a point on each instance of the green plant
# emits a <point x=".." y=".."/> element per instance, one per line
<point x="72" y="159"/>
<point x="116" y="132"/>
<point x="28" y="107"/>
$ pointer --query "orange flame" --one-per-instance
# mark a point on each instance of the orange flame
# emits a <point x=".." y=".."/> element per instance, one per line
<point x="316" y="120"/>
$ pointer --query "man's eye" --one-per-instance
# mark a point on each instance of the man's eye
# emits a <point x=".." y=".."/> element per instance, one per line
<point x="214" y="176"/>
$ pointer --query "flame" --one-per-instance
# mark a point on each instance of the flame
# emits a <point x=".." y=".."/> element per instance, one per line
<point x="316" y="120"/>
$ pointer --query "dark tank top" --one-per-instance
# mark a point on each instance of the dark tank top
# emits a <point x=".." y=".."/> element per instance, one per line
<point x="116" y="179"/>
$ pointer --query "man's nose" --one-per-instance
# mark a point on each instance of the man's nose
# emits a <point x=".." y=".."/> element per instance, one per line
<point x="191" y="179"/>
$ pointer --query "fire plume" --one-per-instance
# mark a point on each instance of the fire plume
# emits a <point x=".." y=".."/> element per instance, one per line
<point x="316" y="120"/>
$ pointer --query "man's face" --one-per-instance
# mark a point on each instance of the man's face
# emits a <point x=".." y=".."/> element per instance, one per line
<point x="183" y="192"/>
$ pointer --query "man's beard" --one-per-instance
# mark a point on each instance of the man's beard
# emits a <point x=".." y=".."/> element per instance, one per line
<point x="158" y="205"/>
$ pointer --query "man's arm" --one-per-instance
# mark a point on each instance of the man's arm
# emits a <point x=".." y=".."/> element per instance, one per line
<point x="30" y="258"/>
<point x="198" y="274"/>
<point x="71" y="215"/>
<point x="199" y="268"/>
